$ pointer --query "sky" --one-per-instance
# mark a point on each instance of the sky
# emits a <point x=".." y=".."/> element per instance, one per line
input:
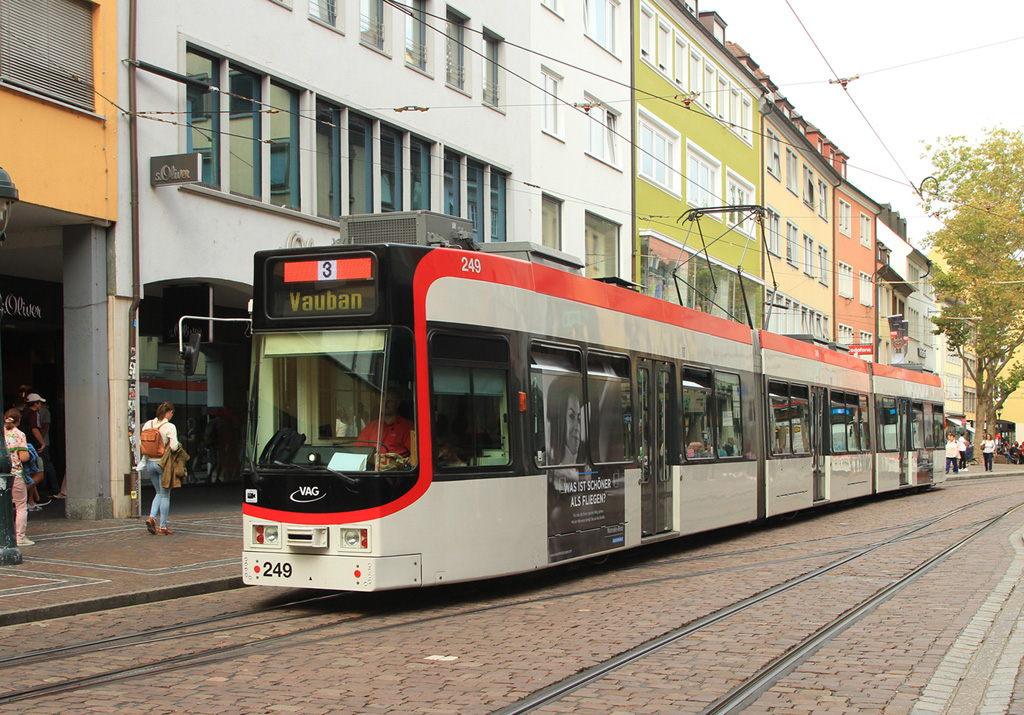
<point x="928" y="69"/>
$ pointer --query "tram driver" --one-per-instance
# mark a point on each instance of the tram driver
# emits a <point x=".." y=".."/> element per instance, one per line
<point x="390" y="431"/>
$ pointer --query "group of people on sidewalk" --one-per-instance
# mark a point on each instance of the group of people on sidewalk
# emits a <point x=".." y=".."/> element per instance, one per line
<point x="26" y="427"/>
<point x="958" y="452"/>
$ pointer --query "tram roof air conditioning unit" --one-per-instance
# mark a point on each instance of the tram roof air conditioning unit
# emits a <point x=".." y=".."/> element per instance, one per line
<point x="415" y="228"/>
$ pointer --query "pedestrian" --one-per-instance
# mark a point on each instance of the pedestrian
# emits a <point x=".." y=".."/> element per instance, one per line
<point x="962" y="446"/>
<point x="14" y="438"/>
<point x="151" y="466"/>
<point x="952" y="454"/>
<point x="988" y="450"/>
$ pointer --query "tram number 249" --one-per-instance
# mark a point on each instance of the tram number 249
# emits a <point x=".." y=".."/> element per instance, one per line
<point x="276" y="569"/>
<point x="471" y="265"/>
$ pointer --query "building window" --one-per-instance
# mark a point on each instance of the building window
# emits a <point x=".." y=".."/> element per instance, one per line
<point x="844" y="334"/>
<point x="680" y="62"/>
<point x="792" y="177"/>
<point x="773" y="231"/>
<point x="328" y="160"/>
<point x="792" y="236"/>
<point x="845" y="213"/>
<point x="823" y="199"/>
<point x="550" y="5"/>
<point x="452" y="184"/>
<point x="809" y="255"/>
<point x="658" y="153"/>
<point x="326" y="11"/>
<point x="747" y="119"/>
<point x="710" y="93"/>
<point x="696" y="72"/>
<point x="391" y="171"/>
<point x="552" y="105"/>
<point x="202" y="107"/>
<point x="419" y="174"/>
<point x="455" y="52"/>
<point x="46" y="47"/>
<point x="809" y="186"/>
<point x="416" y="35"/>
<point x="244" y="168"/>
<point x="823" y="265"/>
<point x="722" y="97"/>
<point x="865" y="338"/>
<point x="551" y="222"/>
<point x="360" y="165"/>
<point x="371" y="23"/>
<point x="601" y="131"/>
<point x="475" y="197"/>
<point x="844" y="276"/>
<point x="600" y="19"/>
<point x="284" y="147"/>
<point x="865" y="230"/>
<point x="867" y="290"/>
<point x="492" y="68"/>
<point x="774" y="152"/>
<point x="499" y="189"/>
<point x="740" y="193"/>
<point x="664" y="47"/>
<point x="602" y="246"/>
<point x="647" y="22"/>
<point x="702" y="182"/>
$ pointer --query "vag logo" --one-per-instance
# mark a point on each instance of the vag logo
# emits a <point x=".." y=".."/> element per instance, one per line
<point x="305" y="495"/>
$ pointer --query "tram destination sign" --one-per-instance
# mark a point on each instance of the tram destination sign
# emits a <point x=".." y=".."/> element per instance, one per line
<point x="311" y="287"/>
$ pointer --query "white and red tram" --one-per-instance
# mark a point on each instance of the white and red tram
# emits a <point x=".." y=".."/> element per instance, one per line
<point x="432" y="415"/>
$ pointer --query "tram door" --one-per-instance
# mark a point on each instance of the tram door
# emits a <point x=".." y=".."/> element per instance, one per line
<point x="655" y="385"/>
<point x="819" y="432"/>
<point x="904" y="438"/>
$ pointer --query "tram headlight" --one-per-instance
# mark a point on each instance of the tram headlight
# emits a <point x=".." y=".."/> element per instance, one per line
<point x="354" y="538"/>
<point x="266" y="534"/>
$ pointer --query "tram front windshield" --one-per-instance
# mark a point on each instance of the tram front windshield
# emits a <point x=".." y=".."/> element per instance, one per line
<point x="340" y="400"/>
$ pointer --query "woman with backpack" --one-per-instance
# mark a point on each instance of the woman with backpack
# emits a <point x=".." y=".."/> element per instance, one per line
<point x="157" y="436"/>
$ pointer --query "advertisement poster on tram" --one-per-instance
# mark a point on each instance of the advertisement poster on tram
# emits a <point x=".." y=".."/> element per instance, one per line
<point x="586" y="503"/>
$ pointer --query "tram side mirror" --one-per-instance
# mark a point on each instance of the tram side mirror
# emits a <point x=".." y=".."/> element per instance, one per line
<point x="190" y="354"/>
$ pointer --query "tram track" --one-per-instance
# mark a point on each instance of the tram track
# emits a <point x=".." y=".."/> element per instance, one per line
<point x="752" y="687"/>
<point x="370" y="625"/>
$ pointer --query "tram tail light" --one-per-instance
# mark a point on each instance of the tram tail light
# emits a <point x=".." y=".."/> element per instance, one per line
<point x="354" y="538"/>
<point x="266" y="535"/>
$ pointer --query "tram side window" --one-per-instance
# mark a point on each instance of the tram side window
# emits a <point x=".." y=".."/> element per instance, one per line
<point x="729" y="415"/>
<point x="781" y="414"/>
<point x="888" y="419"/>
<point x="471" y="408"/>
<point x="864" y="415"/>
<point x="801" y="409"/>
<point x="556" y="386"/>
<point x="840" y="419"/>
<point x="697" y="414"/>
<point x="929" y="430"/>
<point x="917" y="426"/>
<point x="611" y="408"/>
<point x="938" y="427"/>
<point x="852" y="425"/>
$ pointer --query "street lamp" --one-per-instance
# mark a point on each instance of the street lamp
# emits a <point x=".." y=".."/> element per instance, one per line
<point x="10" y="554"/>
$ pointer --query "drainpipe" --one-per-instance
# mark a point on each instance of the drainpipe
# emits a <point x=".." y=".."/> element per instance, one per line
<point x="133" y="311"/>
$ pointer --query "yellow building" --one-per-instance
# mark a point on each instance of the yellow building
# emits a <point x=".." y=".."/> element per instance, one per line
<point x="58" y="119"/>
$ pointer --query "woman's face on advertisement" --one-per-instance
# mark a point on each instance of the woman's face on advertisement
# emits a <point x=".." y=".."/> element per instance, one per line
<point x="573" y="421"/>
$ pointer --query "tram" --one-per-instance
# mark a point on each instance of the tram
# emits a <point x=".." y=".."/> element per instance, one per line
<point x="423" y="415"/>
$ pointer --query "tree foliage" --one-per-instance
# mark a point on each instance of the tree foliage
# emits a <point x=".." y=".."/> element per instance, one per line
<point x="977" y="191"/>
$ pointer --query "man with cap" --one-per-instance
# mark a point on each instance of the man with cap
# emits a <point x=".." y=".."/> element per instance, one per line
<point x="33" y="427"/>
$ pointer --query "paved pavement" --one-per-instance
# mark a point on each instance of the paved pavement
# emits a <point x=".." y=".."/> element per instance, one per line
<point x="82" y="566"/>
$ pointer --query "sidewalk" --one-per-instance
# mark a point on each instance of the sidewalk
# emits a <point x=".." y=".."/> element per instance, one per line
<point x="81" y="566"/>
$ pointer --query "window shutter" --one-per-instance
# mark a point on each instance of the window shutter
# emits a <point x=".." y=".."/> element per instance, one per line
<point x="46" y="47"/>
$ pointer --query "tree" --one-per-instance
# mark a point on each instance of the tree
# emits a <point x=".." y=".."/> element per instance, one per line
<point x="978" y="194"/>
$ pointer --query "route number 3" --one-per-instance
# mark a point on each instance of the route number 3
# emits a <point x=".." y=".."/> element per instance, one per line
<point x="471" y="265"/>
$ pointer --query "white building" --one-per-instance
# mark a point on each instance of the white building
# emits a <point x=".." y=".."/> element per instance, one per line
<point x="305" y="111"/>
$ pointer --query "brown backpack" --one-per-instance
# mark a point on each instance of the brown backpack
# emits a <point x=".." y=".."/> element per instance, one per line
<point x="151" y="442"/>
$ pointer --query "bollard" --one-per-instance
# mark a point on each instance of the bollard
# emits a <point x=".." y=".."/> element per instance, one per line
<point x="10" y="554"/>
